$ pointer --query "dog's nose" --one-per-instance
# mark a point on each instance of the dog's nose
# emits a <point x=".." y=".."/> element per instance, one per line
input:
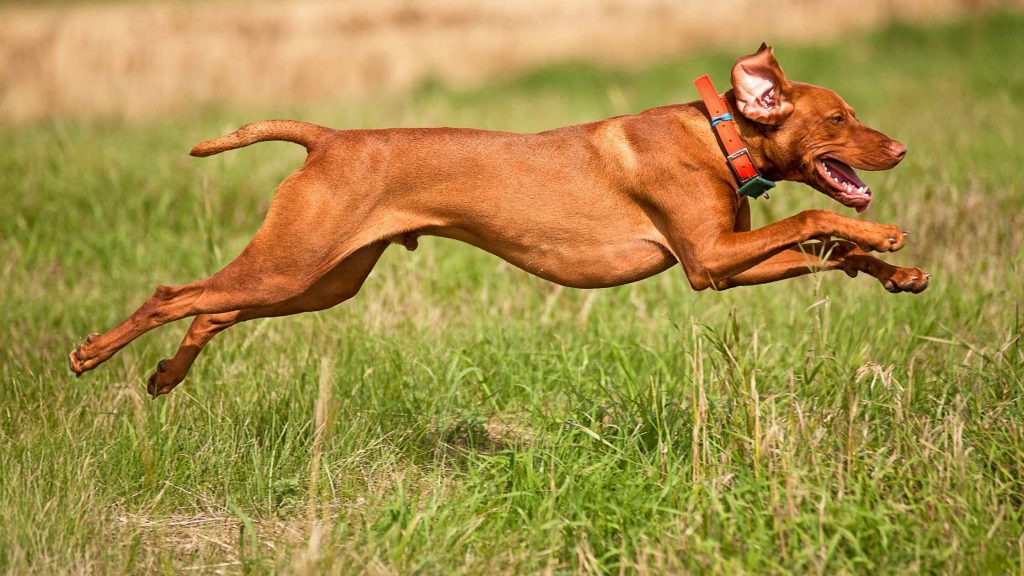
<point x="897" y="149"/>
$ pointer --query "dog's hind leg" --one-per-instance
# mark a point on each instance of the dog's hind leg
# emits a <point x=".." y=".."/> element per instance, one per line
<point x="305" y="235"/>
<point x="337" y="286"/>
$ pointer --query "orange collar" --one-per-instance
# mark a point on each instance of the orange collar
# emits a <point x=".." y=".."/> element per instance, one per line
<point x="751" y="183"/>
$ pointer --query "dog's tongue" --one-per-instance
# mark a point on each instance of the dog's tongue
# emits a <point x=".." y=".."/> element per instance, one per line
<point x="843" y="174"/>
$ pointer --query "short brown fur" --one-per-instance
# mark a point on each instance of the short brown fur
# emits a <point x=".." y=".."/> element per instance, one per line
<point x="587" y="206"/>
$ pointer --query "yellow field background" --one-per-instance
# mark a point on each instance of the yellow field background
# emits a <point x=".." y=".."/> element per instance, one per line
<point x="144" y="59"/>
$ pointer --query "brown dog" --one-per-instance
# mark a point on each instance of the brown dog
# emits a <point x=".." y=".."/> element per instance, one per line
<point x="588" y="206"/>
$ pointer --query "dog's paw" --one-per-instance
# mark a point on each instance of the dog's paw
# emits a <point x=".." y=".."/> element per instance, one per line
<point x="883" y="238"/>
<point x="162" y="380"/>
<point x="81" y="359"/>
<point x="912" y="280"/>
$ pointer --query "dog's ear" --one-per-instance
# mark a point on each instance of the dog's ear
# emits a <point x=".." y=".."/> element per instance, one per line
<point x="761" y="87"/>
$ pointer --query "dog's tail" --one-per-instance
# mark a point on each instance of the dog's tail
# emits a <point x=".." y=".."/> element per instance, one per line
<point x="290" y="130"/>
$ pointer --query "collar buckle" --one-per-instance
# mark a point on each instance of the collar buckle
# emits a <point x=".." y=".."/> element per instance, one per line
<point x="753" y="186"/>
<point x="741" y="152"/>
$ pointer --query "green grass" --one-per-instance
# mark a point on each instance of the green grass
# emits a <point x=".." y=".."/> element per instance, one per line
<point x="483" y="421"/>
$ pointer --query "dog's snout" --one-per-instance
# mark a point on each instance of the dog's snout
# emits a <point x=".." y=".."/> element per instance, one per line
<point x="897" y="149"/>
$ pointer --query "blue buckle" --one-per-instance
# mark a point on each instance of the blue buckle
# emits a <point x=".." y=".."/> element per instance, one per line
<point x="723" y="118"/>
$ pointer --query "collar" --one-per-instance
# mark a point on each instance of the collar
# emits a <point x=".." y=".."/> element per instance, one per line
<point x="751" y="183"/>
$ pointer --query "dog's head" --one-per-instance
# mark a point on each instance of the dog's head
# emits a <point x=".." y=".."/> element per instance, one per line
<point x="807" y="133"/>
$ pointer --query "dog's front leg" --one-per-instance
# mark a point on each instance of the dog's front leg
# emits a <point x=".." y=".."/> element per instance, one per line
<point x="893" y="278"/>
<point x="711" y="256"/>
<point x="831" y="255"/>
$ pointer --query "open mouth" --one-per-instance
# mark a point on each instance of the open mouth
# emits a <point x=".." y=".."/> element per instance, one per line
<point x="845" y="186"/>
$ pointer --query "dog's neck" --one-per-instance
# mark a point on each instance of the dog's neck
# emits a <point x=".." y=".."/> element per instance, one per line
<point x="754" y="137"/>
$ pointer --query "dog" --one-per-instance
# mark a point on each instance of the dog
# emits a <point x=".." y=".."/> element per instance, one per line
<point x="586" y="206"/>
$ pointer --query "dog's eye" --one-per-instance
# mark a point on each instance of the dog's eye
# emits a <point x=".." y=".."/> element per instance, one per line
<point x="838" y="119"/>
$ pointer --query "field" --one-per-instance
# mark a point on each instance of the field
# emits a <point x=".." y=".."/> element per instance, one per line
<point x="461" y="416"/>
<point x="131" y="59"/>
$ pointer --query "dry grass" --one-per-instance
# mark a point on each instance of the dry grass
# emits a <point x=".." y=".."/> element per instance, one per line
<point x="145" y="59"/>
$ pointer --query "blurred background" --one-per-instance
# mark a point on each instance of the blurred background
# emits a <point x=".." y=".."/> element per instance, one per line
<point x="145" y="59"/>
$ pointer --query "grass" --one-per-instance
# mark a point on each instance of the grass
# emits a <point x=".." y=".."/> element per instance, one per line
<point x="461" y="416"/>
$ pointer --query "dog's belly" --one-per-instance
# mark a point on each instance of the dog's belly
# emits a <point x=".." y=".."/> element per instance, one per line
<point x="596" y="267"/>
<point x="590" y="262"/>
